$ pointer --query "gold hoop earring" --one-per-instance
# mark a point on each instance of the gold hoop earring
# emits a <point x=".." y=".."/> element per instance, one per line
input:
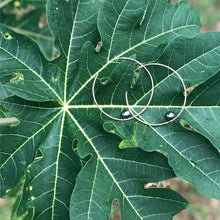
<point x="184" y="102"/>
<point x="133" y="116"/>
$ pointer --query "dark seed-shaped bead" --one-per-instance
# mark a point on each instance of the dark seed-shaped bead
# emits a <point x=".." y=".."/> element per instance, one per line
<point x="125" y="114"/>
<point x="170" y="115"/>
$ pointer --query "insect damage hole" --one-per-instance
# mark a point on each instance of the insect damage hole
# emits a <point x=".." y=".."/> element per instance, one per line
<point x="104" y="80"/>
<point x="135" y="79"/>
<point x="98" y="46"/>
<point x="16" y="78"/>
<point x="115" y="213"/>
<point x="7" y="36"/>
<point x="151" y="185"/>
<point x="186" y="125"/>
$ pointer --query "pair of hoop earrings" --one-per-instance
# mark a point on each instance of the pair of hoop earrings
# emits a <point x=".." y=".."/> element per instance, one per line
<point x="170" y="115"/>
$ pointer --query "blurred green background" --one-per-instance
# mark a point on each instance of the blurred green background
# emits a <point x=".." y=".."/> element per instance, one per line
<point x="201" y="207"/>
<point x="209" y="11"/>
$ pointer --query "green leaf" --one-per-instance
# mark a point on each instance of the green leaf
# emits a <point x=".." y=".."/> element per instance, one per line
<point x="125" y="143"/>
<point x="63" y="144"/>
<point x="203" y="116"/>
<point x="44" y="153"/>
<point x="192" y="156"/>
<point x="26" y="61"/>
<point x="114" y="175"/>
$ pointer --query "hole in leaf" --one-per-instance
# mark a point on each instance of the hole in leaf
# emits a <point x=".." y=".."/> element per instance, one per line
<point x="55" y="53"/>
<point x="104" y="80"/>
<point x="10" y="121"/>
<point x="135" y="78"/>
<point x="16" y="78"/>
<point x="189" y="90"/>
<point x="151" y="185"/>
<point x="186" y="125"/>
<point x="39" y="155"/>
<point x="54" y="79"/>
<point x="7" y="36"/>
<point x="98" y="46"/>
<point x="115" y="212"/>
<point x="74" y="145"/>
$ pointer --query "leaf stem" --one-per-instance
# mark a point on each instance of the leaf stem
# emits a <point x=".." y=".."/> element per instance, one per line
<point x="2" y="4"/>
<point x="30" y="34"/>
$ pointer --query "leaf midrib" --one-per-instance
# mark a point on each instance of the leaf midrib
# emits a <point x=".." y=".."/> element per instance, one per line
<point x="208" y="132"/>
<point x="196" y="167"/>
<point x="57" y="164"/>
<point x="113" y="33"/>
<point x="126" y="51"/>
<point x="30" y="33"/>
<point x="35" y="73"/>
<point x="137" y="106"/>
<point x="164" y="79"/>
<point x="69" y="50"/>
<point x="173" y="147"/>
<point x="38" y="131"/>
<point x="102" y="161"/>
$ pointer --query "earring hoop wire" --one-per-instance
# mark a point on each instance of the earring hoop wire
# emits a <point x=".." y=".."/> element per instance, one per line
<point x="184" y="102"/>
<point x="133" y="116"/>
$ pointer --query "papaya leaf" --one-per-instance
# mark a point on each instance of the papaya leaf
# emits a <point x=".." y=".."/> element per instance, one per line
<point x="193" y="153"/>
<point x="63" y="146"/>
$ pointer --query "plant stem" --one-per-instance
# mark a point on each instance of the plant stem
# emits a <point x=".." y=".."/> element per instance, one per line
<point x="2" y="4"/>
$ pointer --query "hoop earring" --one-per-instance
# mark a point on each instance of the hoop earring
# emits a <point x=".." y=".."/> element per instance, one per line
<point x="184" y="102"/>
<point x="133" y="116"/>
